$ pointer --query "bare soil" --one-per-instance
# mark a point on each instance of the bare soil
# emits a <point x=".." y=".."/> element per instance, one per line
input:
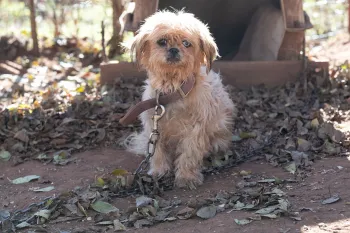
<point x="336" y="50"/>
<point x="303" y="119"/>
<point x="328" y="177"/>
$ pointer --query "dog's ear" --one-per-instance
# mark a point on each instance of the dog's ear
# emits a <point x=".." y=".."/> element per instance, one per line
<point x="138" y="47"/>
<point x="209" y="49"/>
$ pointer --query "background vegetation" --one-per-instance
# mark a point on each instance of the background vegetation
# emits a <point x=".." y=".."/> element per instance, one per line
<point x="82" y="19"/>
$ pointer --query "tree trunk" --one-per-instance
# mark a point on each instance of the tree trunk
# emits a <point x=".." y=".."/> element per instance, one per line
<point x="56" y="26"/>
<point x="349" y="16"/>
<point x="33" y="28"/>
<point x="117" y="37"/>
<point x="143" y="9"/>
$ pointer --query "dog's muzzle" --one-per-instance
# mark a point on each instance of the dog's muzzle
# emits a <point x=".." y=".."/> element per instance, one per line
<point x="173" y="55"/>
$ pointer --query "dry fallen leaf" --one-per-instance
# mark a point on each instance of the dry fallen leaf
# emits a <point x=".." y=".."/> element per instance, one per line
<point x="243" y="221"/>
<point x="303" y="145"/>
<point x="291" y="167"/>
<point x="22" y="135"/>
<point x="207" y="212"/>
<point x="185" y="213"/>
<point x="5" y="155"/>
<point x="103" y="207"/>
<point x="118" y="226"/>
<point x="25" y="179"/>
<point x="143" y="201"/>
<point x="331" y="200"/>
<point x="46" y="189"/>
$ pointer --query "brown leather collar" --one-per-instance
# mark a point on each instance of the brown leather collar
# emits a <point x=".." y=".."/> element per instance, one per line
<point x="142" y="106"/>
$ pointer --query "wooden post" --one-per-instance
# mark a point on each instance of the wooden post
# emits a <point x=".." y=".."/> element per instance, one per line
<point x="293" y="13"/>
<point x="143" y="9"/>
<point x="294" y="20"/>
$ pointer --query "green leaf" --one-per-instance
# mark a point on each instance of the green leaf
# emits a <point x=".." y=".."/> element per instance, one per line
<point x="47" y="189"/>
<point x="100" y="182"/>
<point x="5" y="155"/>
<point x="344" y="67"/>
<point x="292" y="168"/>
<point x="80" y="89"/>
<point x="119" y="172"/>
<point x="245" y="135"/>
<point x="314" y="123"/>
<point x="25" y="179"/>
<point x="23" y="225"/>
<point x="103" y="207"/>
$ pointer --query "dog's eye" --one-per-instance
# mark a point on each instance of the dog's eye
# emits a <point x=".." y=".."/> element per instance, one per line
<point x="186" y="43"/>
<point x="162" y="42"/>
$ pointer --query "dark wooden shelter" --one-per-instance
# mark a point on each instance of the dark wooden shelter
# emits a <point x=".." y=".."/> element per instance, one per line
<point x="260" y="41"/>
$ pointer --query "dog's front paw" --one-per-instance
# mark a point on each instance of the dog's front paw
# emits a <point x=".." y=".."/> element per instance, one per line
<point x="189" y="180"/>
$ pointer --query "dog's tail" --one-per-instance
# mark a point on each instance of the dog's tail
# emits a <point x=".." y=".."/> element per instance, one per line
<point x="136" y="143"/>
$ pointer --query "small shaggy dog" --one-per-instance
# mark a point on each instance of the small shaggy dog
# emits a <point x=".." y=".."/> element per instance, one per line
<point x="172" y="48"/>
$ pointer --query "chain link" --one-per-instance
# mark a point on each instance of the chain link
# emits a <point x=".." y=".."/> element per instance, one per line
<point x="159" y="111"/>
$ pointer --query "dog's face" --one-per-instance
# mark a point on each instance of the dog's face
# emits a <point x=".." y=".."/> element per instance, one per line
<point x="174" y="41"/>
<point x="172" y="48"/>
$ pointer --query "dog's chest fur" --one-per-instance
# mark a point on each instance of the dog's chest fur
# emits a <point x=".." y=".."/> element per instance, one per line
<point x="204" y="111"/>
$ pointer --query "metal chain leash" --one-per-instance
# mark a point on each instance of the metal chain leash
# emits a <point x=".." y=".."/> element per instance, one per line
<point x="154" y="136"/>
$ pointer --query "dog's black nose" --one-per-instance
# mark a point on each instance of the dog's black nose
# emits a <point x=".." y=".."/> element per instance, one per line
<point x="173" y="55"/>
<point x="174" y="51"/>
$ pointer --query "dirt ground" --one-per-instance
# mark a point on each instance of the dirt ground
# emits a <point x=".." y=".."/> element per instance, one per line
<point x="302" y="120"/>
<point x="336" y="50"/>
<point x="328" y="177"/>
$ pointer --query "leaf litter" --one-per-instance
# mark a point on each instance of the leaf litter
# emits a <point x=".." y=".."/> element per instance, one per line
<point x="63" y="114"/>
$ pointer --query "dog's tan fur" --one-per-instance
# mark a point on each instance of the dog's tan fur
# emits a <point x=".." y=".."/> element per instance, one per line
<point x="201" y="123"/>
